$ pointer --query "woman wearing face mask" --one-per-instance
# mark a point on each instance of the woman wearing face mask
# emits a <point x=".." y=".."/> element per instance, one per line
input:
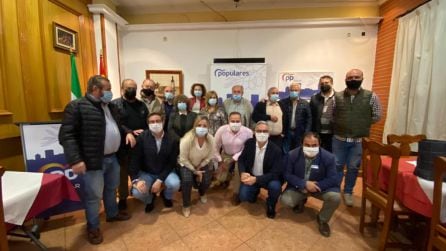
<point x="181" y="119"/>
<point x="215" y="113"/>
<point x="196" y="151"/>
<point x="197" y="101"/>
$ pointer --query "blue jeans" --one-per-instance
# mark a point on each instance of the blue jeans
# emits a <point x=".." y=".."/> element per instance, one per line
<point x="101" y="184"/>
<point x="347" y="153"/>
<point x="171" y="183"/>
<point x="250" y="193"/>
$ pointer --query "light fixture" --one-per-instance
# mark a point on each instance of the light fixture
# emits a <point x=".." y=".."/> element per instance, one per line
<point x="236" y="3"/>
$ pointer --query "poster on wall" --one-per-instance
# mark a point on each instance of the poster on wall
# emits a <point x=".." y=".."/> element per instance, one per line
<point x="43" y="153"/>
<point x="309" y="82"/>
<point x="251" y="76"/>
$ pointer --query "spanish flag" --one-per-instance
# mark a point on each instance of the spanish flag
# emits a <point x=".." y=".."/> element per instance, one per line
<point x="102" y="67"/>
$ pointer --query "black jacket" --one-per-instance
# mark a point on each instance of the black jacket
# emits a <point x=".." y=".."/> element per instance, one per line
<point x="302" y="116"/>
<point x="145" y="157"/>
<point x="316" y="105"/>
<point x="259" y="114"/>
<point x="82" y="133"/>
<point x="272" y="161"/>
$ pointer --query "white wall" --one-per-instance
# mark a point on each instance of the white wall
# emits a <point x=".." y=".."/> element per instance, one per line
<point x="285" y="49"/>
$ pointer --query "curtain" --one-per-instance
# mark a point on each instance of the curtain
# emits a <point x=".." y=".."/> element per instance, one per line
<point x="417" y="98"/>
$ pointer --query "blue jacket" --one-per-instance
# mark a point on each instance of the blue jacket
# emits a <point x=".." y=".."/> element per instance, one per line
<point x="325" y="174"/>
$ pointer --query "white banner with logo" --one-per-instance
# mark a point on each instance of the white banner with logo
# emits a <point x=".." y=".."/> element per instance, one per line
<point x="251" y="76"/>
<point x="309" y="82"/>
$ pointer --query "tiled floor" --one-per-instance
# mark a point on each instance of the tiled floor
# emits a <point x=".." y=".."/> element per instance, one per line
<point x="216" y="225"/>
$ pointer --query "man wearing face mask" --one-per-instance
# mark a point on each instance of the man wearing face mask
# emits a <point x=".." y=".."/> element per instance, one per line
<point x="260" y="166"/>
<point x="90" y="135"/>
<point x="321" y="105"/>
<point x="229" y="142"/>
<point x="273" y="112"/>
<point x="298" y="117"/>
<point x="311" y="170"/>
<point x="149" y="98"/>
<point x="133" y="115"/>
<point x="237" y="103"/>
<point x="152" y="164"/>
<point x="354" y="111"/>
<point x="168" y="104"/>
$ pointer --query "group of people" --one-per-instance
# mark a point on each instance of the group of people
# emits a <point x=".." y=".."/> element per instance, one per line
<point x="179" y="143"/>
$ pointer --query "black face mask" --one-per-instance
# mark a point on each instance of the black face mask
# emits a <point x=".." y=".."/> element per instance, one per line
<point x="353" y="84"/>
<point x="147" y="92"/>
<point x="130" y="94"/>
<point x="325" y="88"/>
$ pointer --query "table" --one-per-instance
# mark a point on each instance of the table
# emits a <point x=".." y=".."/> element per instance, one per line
<point x="26" y="195"/>
<point x="412" y="191"/>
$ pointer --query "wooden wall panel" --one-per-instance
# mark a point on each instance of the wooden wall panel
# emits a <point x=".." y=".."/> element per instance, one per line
<point x="34" y="76"/>
<point x="384" y="54"/>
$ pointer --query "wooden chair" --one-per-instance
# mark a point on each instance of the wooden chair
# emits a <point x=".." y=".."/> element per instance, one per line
<point x="437" y="236"/>
<point x="380" y="199"/>
<point x="3" y="239"/>
<point x="404" y="142"/>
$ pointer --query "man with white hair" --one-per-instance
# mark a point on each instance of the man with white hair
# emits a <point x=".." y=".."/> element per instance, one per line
<point x="298" y="117"/>
<point x="237" y="103"/>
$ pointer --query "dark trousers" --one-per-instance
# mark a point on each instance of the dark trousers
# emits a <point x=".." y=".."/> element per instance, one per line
<point x="326" y="141"/>
<point x="276" y="139"/>
<point x="189" y="180"/>
<point x="123" y="189"/>
<point x="292" y="141"/>
<point x="250" y="193"/>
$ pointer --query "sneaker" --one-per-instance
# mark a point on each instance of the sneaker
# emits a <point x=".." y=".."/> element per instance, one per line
<point x="122" y="204"/>
<point x="203" y="198"/>
<point x="186" y="212"/>
<point x="167" y="203"/>
<point x="121" y="216"/>
<point x="348" y="199"/>
<point x="235" y="199"/>
<point x="94" y="236"/>
<point x="324" y="228"/>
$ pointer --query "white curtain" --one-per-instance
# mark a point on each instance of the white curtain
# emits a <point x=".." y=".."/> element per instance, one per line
<point x="417" y="98"/>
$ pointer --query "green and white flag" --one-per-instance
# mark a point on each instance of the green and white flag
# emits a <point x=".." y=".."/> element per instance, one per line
<point x="75" y="86"/>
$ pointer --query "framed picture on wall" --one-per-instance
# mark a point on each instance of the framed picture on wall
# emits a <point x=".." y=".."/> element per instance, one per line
<point x="64" y="38"/>
<point x="165" y="78"/>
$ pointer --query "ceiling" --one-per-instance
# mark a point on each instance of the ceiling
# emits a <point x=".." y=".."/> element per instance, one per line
<point x="166" y="6"/>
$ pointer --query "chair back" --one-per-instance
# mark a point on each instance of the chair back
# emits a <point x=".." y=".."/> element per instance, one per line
<point x="3" y="239"/>
<point x="437" y="236"/>
<point x="372" y="165"/>
<point x="404" y="141"/>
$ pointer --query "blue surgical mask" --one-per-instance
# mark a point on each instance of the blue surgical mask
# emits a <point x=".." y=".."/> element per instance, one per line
<point x="212" y="101"/>
<point x="198" y="93"/>
<point x="168" y="95"/>
<point x="107" y="96"/>
<point x="294" y="94"/>
<point x="236" y="97"/>
<point x="201" y="131"/>
<point x="274" y="97"/>
<point x="182" y="106"/>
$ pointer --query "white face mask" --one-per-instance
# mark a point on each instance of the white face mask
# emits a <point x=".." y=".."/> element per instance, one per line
<point x="310" y="152"/>
<point x="156" y="127"/>
<point x="262" y="136"/>
<point x="235" y="127"/>
<point x="201" y="131"/>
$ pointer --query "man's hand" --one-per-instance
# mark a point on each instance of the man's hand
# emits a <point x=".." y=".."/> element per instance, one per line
<point x="141" y="186"/>
<point x="312" y="187"/>
<point x="244" y="176"/>
<point x="79" y="168"/>
<point x="156" y="187"/>
<point x="251" y="180"/>
<point x="130" y="140"/>
<point x="137" y="132"/>
<point x="274" y="118"/>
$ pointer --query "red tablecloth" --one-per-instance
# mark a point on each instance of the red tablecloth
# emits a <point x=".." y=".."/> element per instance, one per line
<point x="54" y="190"/>
<point x="408" y="190"/>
